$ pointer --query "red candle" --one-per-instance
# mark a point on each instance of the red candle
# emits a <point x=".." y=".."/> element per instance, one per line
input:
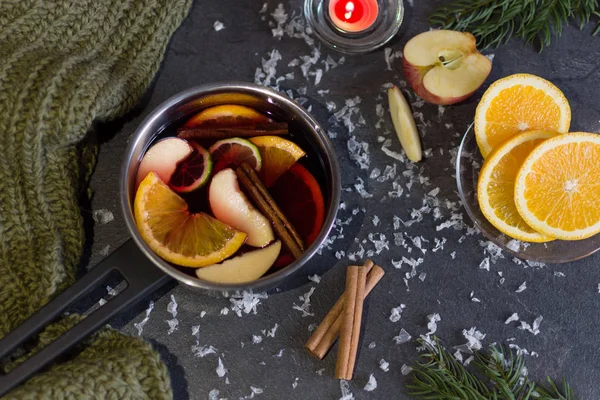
<point x="353" y="15"/>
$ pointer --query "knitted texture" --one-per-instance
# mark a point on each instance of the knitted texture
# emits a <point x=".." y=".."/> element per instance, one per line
<point x="65" y="64"/>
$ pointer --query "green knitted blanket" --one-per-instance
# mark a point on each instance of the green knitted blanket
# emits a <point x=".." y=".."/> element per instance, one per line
<point x="65" y="64"/>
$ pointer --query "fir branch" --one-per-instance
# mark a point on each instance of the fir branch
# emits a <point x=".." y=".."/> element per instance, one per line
<point x="439" y="376"/>
<point x="494" y="22"/>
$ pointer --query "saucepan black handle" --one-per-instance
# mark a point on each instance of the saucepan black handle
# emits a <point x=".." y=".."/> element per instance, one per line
<point x="142" y="279"/>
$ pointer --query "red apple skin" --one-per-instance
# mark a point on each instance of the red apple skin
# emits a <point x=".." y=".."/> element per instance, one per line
<point x="414" y="75"/>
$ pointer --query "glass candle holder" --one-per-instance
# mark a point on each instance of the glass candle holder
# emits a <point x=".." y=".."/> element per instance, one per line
<point x="354" y="26"/>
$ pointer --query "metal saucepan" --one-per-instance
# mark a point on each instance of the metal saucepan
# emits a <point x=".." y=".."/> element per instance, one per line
<point x="135" y="261"/>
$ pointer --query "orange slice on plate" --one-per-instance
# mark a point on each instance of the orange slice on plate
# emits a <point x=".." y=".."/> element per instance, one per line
<point x="517" y="103"/>
<point x="278" y="155"/>
<point x="183" y="238"/>
<point x="496" y="186"/>
<point x="557" y="190"/>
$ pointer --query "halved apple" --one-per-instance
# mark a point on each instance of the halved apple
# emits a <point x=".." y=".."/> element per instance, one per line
<point x="245" y="268"/>
<point x="443" y="66"/>
<point x="162" y="158"/>
<point x="231" y="206"/>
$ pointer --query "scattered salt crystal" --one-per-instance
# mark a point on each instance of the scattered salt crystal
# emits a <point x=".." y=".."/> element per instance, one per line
<point x="458" y="356"/>
<point x="315" y="278"/>
<point x="432" y="324"/>
<point x="514" y="317"/>
<point x="256" y="390"/>
<point x="490" y="57"/>
<point x="263" y="9"/>
<point x="265" y="75"/>
<point x="105" y="250"/>
<point x="402" y="337"/>
<point x="202" y="314"/>
<point x="322" y="92"/>
<point x="474" y="299"/>
<point x="485" y="264"/>
<point x="305" y="307"/>
<point x="562" y="275"/>
<point x="221" y="370"/>
<point x="172" y="309"/>
<point x="140" y="325"/>
<point x="599" y="288"/>
<point x="502" y="281"/>
<point x="330" y="105"/>
<point x="422" y="276"/>
<point x="214" y="395"/>
<point x="513" y="245"/>
<point x="359" y="152"/>
<point x="390" y="57"/>
<point x="439" y="244"/>
<point x="384" y="365"/>
<point x="246" y="303"/>
<point x="224" y="311"/>
<point x="280" y="354"/>
<point x="372" y="345"/>
<point x="522" y="287"/>
<point x="385" y="147"/>
<point x="468" y="361"/>
<point x="372" y="384"/>
<point x="218" y="25"/>
<point x="345" y="389"/>
<point x="375" y="220"/>
<point x="453" y="255"/>
<point x="256" y="339"/>
<point x="203" y="350"/>
<point x="405" y="370"/>
<point x="360" y="188"/>
<point x="103" y="216"/>
<point x="295" y="383"/>
<point x="321" y="371"/>
<point x="474" y="338"/>
<point x="396" y="313"/>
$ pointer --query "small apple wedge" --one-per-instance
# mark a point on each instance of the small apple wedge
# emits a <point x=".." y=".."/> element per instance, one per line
<point x="443" y="66"/>
<point x="245" y="268"/>
<point x="404" y="124"/>
<point x="162" y="158"/>
<point x="231" y="206"/>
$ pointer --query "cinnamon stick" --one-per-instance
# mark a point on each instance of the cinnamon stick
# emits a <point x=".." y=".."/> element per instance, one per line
<point x="265" y="193"/>
<point x="353" y="307"/>
<point x="254" y="188"/>
<point x="332" y="316"/>
<point x="244" y="131"/>
<point x="320" y="345"/>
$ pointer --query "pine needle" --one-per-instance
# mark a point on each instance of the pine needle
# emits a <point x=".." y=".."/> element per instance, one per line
<point x="498" y="375"/>
<point x="494" y="22"/>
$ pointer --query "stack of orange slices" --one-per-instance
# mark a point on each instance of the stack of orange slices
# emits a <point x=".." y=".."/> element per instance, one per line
<point x="539" y="182"/>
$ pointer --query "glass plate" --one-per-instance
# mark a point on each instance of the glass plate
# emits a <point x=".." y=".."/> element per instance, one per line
<point x="468" y="164"/>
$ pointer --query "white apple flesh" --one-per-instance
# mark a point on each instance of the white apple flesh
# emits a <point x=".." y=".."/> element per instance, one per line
<point x="231" y="206"/>
<point x="444" y="67"/>
<point x="162" y="158"/>
<point x="242" y="269"/>
<point x="404" y="124"/>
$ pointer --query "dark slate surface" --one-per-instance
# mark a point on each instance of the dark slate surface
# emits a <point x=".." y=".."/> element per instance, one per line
<point x="567" y="341"/>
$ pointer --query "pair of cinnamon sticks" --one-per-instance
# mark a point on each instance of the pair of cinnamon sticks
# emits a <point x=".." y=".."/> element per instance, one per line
<point x="259" y="194"/>
<point x="344" y="319"/>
